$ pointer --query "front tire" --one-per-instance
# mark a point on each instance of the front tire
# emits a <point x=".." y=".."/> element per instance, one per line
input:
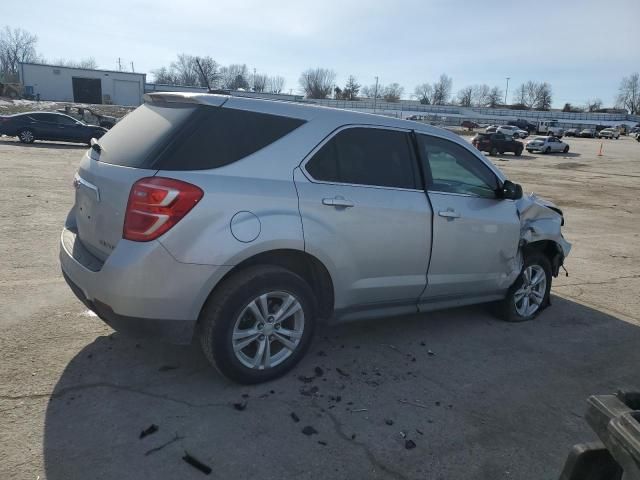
<point x="529" y="294"/>
<point x="493" y="152"/>
<point x="258" y="324"/>
<point x="26" y="136"/>
<point x="566" y="149"/>
<point x="547" y="150"/>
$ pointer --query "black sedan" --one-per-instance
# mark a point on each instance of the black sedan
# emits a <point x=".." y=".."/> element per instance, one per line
<point x="32" y="126"/>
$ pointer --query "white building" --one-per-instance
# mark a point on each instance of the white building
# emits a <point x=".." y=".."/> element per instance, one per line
<point x="82" y="85"/>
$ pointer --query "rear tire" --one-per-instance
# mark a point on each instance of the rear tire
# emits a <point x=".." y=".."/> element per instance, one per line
<point x="518" y="152"/>
<point x="566" y="149"/>
<point x="26" y="135"/>
<point x="547" y="150"/>
<point x="236" y="303"/>
<point x="532" y="285"/>
<point x="493" y="152"/>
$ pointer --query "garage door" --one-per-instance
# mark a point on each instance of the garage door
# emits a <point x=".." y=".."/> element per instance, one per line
<point x="87" y="90"/>
<point x="126" y="92"/>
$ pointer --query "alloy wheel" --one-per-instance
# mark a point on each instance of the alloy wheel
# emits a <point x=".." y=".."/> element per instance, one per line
<point x="268" y="330"/>
<point x="528" y="298"/>
<point x="26" y="136"/>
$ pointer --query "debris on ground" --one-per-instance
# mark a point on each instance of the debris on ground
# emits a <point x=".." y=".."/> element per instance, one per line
<point x="342" y="372"/>
<point x="388" y="421"/>
<point x="318" y="371"/>
<point x="353" y="436"/>
<point x="423" y="344"/>
<point x="160" y="447"/>
<point x="197" y="464"/>
<point x="245" y="395"/>
<point x="240" y="406"/>
<point x="322" y="442"/>
<point x="309" y="391"/>
<point x="419" y="432"/>
<point x="357" y="410"/>
<point x="321" y="353"/>
<point x="166" y="368"/>
<point x="429" y="352"/>
<point x="415" y="404"/>
<point x="409" y="444"/>
<point x="304" y="379"/>
<point x="309" y="430"/>
<point x="295" y="417"/>
<point x="151" y="429"/>
<point x="437" y="404"/>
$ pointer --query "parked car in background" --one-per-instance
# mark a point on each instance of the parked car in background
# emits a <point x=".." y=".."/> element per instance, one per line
<point x="634" y="130"/>
<point x="89" y="116"/>
<point x="547" y="144"/>
<point x="523" y="125"/>
<point x="495" y="143"/>
<point x="469" y="124"/>
<point x="247" y="222"/>
<point x="549" y="127"/>
<point x="609" y="133"/>
<point x="32" y="126"/>
<point x="513" y="131"/>
<point x="587" y="133"/>
<point x="623" y="129"/>
<point x="571" y="132"/>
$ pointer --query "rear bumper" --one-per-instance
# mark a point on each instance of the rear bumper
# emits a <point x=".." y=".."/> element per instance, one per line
<point x="140" y="289"/>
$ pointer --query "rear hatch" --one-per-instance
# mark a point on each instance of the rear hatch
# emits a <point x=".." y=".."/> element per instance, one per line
<point x="127" y="154"/>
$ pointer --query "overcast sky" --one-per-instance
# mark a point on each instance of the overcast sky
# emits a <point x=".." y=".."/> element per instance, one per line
<point x="582" y="48"/>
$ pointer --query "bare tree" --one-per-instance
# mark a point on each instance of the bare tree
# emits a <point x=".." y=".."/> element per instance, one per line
<point x="373" y="91"/>
<point x="88" y="62"/>
<point x="593" y="105"/>
<point x="424" y="93"/>
<point x="495" y="97"/>
<point x="210" y="75"/>
<point x="520" y="96"/>
<point x="260" y="81"/>
<point x="235" y="77"/>
<point x="351" y="89"/>
<point x="442" y="90"/>
<point x="629" y="94"/>
<point x="531" y="94"/>
<point x="543" y="96"/>
<point x="275" y="84"/>
<point x="164" y="76"/>
<point x="465" y="96"/>
<point x="186" y="70"/>
<point x="317" y="82"/>
<point x="480" y="95"/>
<point x="392" y="92"/>
<point x="16" y="46"/>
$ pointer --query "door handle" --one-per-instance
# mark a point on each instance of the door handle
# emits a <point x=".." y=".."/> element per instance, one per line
<point x="337" y="202"/>
<point x="449" y="214"/>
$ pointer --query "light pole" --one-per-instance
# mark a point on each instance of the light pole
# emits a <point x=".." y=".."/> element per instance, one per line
<point x="375" y="96"/>
<point x="506" y="91"/>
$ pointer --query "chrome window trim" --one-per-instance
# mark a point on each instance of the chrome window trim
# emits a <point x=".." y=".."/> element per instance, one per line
<point x="310" y="155"/>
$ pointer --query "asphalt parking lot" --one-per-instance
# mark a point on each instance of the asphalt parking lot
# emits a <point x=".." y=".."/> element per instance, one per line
<point x="477" y="397"/>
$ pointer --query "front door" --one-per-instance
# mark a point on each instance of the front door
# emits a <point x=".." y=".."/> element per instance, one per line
<point x="366" y="216"/>
<point x="475" y="233"/>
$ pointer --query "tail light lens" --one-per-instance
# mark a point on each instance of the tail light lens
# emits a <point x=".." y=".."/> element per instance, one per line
<point x="155" y="205"/>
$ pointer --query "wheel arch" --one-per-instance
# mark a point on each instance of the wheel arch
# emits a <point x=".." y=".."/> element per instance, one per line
<point x="550" y="249"/>
<point x="303" y="264"/>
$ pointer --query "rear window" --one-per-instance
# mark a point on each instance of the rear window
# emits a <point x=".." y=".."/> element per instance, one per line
<point x="191" y="138"/>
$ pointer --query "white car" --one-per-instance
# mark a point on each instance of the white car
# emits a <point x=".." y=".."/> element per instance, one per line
<point x="513" y="131"/>
<point x="547" y="145"/>
<point x="609" y="133"/>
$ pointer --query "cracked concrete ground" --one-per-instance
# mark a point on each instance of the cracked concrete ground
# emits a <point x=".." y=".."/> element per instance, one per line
<point x="480" y="398"/>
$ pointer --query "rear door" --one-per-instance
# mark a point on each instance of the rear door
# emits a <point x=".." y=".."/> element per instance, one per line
<point x="475" y="233"/>
<point x="364" y="212"/>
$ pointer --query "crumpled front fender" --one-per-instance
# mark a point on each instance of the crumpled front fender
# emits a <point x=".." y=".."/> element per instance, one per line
<point x="541" y="220"/>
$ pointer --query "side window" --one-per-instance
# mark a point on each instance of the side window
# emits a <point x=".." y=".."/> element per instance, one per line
<point x="454" y="169"/>
<point x="62" y="120"/>
<point x="366" y="156"/>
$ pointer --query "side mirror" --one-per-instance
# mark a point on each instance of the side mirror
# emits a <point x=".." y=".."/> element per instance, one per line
<point x="511" y="191"/>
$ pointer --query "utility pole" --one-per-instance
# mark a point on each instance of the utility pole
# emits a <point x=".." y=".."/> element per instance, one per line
<point x="375" y="97"/>
<point x="254" y="79"/>
<point x="119" y="65"/>
<point x="506" y="91"/>
<point x="132" y="69"/>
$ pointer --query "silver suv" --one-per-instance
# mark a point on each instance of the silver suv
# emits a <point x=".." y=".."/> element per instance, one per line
<point x="247" y="222"/>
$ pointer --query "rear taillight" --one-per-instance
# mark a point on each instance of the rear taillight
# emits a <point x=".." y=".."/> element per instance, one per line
<point x="155" y="205"/>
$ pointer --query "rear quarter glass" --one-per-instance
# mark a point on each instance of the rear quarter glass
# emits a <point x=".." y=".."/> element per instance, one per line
<point x="191" y="137"/>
